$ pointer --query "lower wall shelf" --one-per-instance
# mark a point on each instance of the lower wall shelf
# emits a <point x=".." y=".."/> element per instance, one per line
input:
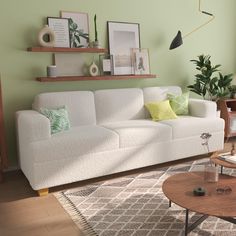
<point x="82" y="78"/>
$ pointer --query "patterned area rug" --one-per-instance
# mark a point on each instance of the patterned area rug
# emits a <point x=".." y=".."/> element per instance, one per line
<point x="135" y="205"/>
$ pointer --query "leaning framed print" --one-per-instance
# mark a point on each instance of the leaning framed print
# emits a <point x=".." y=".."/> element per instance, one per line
<point x="140" y="61"/>
<point x="60" y="27"/>
<point x="122" y="37"/>
<point x="79" y="28"/>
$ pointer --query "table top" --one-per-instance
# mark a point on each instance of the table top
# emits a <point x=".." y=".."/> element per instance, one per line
<point x="215" y="159"/>
<point x="179" y="189"/>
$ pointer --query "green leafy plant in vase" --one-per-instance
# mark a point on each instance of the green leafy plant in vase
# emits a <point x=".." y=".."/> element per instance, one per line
<point x="96" y="42"/>
<point x="207" y="84"/>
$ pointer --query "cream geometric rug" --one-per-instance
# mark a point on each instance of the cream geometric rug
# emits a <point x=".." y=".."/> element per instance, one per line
<point x="135" y="205"/>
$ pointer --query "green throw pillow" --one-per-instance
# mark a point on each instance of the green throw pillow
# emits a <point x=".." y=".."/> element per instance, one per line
<point x="59" y="119"/>
<point x="179" y="104"/>
<point x="160" y="110"/>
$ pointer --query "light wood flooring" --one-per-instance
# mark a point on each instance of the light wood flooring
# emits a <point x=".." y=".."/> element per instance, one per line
<point x="23" y="213"/>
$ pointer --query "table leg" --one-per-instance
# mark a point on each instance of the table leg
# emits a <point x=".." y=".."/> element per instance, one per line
<point x="188" y="228"/>
<point x="169" y="203"/>
<point x="221" y="169"/>
<point x="186" y="223"/>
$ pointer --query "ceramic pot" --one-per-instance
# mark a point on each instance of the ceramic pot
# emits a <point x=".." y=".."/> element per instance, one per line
<point x="52" y="37"/>
<point x="93" y="69"/>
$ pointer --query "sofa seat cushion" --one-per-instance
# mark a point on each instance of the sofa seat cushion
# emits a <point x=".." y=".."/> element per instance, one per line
<point x="140" y="132"/>
<point x="186" y="126"/>
<point x="75" y="142"/>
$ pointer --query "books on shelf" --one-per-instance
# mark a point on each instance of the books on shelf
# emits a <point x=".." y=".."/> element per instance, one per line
<point x="228" y="157"/>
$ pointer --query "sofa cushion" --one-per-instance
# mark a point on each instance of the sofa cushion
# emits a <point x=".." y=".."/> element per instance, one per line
<point x="140" y="132"/>
<point x="179" y="103"/>
<point x="155" y="94"/>
<point x="160" y="110"/>
<point x="58" y="117"/>
<point x="75" y="142"/>
<point x="79" y="104"/>
<point x="119" y="104"/>
<point x="186" y="126"/>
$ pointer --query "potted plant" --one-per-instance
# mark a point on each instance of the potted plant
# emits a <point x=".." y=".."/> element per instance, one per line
<point x="232" y="89"/>
<point x="208" y="85"/>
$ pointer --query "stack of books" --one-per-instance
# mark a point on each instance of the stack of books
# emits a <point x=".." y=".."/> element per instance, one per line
<point x="228" y="157"/>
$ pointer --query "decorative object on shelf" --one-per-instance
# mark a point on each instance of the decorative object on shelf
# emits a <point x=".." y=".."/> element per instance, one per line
<point x="211" y="173"/>
<point x="178" y="40"/>
<point x="96" y="42"/>
<point x="79" y="28"/>
<point x="60" y="27"/>
<point x="43" y="33"/>
<point x="106" y="64"/>
<point x="207" y="86"/>
<point x="122" y="37"/>
<point x="52" y="71"/>
<point x="140" y="60"/>
<point x="93" y="69"/>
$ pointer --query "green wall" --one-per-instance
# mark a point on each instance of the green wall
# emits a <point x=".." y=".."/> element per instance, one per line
<point x="159" y="21"/>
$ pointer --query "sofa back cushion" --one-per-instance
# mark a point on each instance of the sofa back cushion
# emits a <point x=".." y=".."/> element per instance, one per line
<point x="79" y="104"/>
<point x="119" y="104"/>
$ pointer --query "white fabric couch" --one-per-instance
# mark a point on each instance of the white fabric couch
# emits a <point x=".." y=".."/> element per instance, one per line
<point x="110" y="132"/>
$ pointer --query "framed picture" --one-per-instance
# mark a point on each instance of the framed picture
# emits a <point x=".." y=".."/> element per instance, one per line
<point x="79" y="28"/>
<point x="122" y="38"/>
<point x="106" y="64"/>
<point x="140" y="61"/>
<point x="60" y="26"/>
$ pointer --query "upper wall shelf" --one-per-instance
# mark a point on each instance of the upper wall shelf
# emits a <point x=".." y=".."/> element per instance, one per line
<point x="57" y="49"/>
<point x="81" y="78"/>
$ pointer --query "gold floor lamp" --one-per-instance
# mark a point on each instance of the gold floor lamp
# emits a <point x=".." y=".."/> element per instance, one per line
<point x="178" y="40"/>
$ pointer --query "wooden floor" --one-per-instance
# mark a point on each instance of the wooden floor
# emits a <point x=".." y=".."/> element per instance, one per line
<point x="23" y="213"/>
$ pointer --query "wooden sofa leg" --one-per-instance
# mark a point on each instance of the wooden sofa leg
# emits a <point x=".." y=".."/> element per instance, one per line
<point x="43" y="192"/>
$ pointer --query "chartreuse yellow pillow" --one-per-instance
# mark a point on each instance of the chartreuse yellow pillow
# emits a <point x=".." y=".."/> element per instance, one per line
<point x="179" y="104"/>
<point x="160" y="110"/>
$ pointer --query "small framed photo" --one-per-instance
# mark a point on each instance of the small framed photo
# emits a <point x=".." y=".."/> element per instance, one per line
<point x="106" y="64"/>
<point x="140" y="61"/>
<point x="60" y="27"/>
<point x="79" y="28"/>
<point x="122" y="38"/>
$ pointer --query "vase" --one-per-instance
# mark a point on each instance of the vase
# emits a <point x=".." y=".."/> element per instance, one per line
<point x="46" y="31"/>
<point x="211" y="173"/>
<point x="93" y="69"/>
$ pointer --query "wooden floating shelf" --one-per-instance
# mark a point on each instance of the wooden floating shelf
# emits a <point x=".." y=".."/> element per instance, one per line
<point x="82" y="78"/>
<point x="57" y="49"/>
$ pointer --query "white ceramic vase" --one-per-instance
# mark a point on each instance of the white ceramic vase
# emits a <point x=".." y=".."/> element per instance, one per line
<point x="93" y="69"/>
<point x="52" y="37"/>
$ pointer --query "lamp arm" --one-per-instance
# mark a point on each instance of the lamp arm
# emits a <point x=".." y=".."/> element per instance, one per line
<point x="212" y="18"/>
<point x="204" y="12"/>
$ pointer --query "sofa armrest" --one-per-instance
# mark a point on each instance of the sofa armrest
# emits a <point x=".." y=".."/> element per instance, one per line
<point x="32" y="126"/>
<point x="202" y="108"/>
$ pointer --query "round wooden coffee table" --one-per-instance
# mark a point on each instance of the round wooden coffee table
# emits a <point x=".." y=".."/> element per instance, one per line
<point x="179" y="189"/>
<point x="216" y="160"/>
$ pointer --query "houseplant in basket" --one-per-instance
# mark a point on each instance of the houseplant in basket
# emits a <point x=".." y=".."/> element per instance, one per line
<point x="207" y="84"/>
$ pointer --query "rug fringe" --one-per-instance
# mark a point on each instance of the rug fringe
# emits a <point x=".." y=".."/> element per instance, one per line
<point x="75" y="214"/>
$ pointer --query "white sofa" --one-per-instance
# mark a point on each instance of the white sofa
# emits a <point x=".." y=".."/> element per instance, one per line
<point x="110" y="132"/>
